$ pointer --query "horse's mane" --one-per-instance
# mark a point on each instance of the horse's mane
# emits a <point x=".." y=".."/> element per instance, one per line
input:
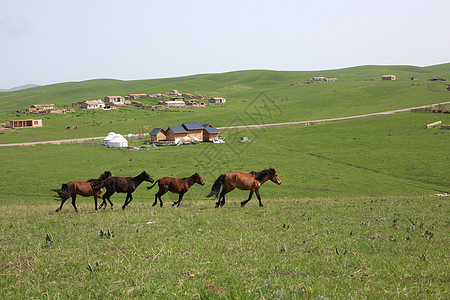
<point x="105" y="175"/>
<point x="262" y="174"/>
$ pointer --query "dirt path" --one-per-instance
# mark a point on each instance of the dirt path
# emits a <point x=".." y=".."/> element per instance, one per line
<point x="81" y="140"/>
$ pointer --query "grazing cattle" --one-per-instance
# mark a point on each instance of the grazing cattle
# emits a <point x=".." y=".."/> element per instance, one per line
<point x="122" y="185"/>
<point x="175" y="185"/>
<point x="244" y="181"/>
<point x="83" y="188"/>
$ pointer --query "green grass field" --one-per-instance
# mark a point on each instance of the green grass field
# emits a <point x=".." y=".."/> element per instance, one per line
<point x="353" y="217"/>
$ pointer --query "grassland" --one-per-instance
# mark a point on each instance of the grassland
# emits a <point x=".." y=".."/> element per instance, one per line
<point x="352" y="218"/>
<point x="254" y="97"/>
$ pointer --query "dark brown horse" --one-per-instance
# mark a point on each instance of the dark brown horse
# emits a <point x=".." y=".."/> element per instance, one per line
<point x="83" y="188"/>
<point x="175" y="185"/>
<point x="122" y="185"/>
<point x="244" y="181"/>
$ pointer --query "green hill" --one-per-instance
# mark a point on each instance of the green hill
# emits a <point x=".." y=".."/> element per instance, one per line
<point x="227" y="84"/>
<point x="253" y="97"/>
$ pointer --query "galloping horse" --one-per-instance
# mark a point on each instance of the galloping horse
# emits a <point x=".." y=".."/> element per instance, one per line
<point x="83" y="188"/>
<point x="122" y="185"/>
<point x="244" y="181"/>
<point x="175" y="185"/>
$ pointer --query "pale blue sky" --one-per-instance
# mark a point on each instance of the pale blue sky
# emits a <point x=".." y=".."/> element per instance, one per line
<point x="45" y="41"/>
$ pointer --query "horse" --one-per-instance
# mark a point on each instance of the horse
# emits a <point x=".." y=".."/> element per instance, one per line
<point x="244" y="181"/>
<point x="83" y="188"/>
<point x="175" y="185"/>
<point x="122" y="185"/>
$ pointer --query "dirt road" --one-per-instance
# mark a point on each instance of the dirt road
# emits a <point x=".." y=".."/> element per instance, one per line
<point x="82" y="140"/>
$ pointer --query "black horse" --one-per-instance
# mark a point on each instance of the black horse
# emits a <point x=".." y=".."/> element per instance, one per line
<point x="122" y="185"/>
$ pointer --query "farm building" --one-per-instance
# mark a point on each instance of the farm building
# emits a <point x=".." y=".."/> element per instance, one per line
<point x="210" y="133"/>
<point x="388" y="77"/>
<point x="114" y="100"/>
<point x="414" y="78"/>
<point x="437" y="79"/>
<point x="195" y="103"/>
<point x="93" y="104"/>
<point x="176" y="132"/>
<point x="39" y="108"/>
<point x="217" y="100"/>
<point x="172" y="103"/>
<point x="157" y="134"/>
<point x="27" y="123"/>
<point x="195" y="130"/>
<point x="136" y="96"/>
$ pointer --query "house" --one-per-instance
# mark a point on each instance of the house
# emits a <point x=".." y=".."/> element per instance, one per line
<point x="24" y="123"/>
<point x="217" y="100"/>
<point x="414" y="78"/>
<point x="93" y="104"/>
<point x="114" y="100"/>
<point x="172" y="103"/>
<point x="210" y="133"/>
<point x="195" y="130"/>
<point x="330" y="79"/>
<point x="136" y="96"/>
<point x="388" y="77"/>
<point x="176" y="132"/>
<point x="195" y="103"/>
<point x="40" y="108"/>
<point x="157" y="134"/>
<point x="437" y="79"/>
<point x="173" y="93"/>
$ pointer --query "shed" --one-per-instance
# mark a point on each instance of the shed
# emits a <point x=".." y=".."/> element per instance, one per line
<point x="217" y="100"/>
<point x="26" y="123"/>
<point x="210" y="133"/>
<point x="175" y="132"/>
<point x="388" y="77"/>
<point x="195" y="130"/>
<point x="157" y="134"/>
<point x="115" y="100"/>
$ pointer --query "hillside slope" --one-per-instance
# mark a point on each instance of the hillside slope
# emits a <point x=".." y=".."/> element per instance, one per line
<point x="227" y="84"/>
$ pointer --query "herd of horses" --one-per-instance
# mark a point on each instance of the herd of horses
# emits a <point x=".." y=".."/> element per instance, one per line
<point x="251" y="181"/>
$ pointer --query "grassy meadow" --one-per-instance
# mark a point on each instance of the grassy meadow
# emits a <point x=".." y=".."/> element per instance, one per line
<point x="353" y="217"/>
<point x="253" y="97"/>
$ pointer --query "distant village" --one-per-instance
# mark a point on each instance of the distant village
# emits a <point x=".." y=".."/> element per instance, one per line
<point x="172" y="99"/>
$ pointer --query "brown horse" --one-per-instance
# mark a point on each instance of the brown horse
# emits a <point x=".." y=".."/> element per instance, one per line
<point x="122" y="185"/>
<point x="175" y="185"/>
<point x="244" y="181"/>
<point x="83" y="188"/>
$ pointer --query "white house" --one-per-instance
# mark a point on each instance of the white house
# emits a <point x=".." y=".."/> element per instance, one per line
<point x="218" y="100"/>
<point x="93" y="104"/>
<point x="115" y="100"/>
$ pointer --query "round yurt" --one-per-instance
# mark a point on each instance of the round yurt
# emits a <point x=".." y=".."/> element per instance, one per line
<point x="116" y="141"/>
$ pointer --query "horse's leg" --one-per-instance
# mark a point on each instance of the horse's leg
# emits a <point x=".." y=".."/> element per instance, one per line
<point x="107" y="196"/>
<point x="158" y="196"/>
<point x="180" y="197"/>
<point x="74" y="198"/>
<point x="128" y="199"/>
<point x="62" y="203"/>
<point x="249" y="198"/>
<point x="222" y="203"/>
<point x="259" y="198"/>
<point x="95" y="200"/>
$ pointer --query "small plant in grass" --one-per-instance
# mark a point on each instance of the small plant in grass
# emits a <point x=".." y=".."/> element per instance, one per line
<point x="93" y="269"/>
<point x="49" y="239"/>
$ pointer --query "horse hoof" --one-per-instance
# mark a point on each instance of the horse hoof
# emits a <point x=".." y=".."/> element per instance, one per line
<point x="242" y="204"/>
<point x="153" y="204"/>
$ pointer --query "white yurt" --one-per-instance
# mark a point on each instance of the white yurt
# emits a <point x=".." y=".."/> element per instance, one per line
<point x="115" y="140"/>
<point x="108" y="138"/>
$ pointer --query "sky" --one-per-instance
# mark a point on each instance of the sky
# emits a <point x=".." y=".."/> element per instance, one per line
<point x="52" y="41"/>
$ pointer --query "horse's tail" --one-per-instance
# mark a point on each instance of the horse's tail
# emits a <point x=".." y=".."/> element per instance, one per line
<point x="64" y="192"/>
<point x="216" y="186"/>
<point x="150" y="187"/>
